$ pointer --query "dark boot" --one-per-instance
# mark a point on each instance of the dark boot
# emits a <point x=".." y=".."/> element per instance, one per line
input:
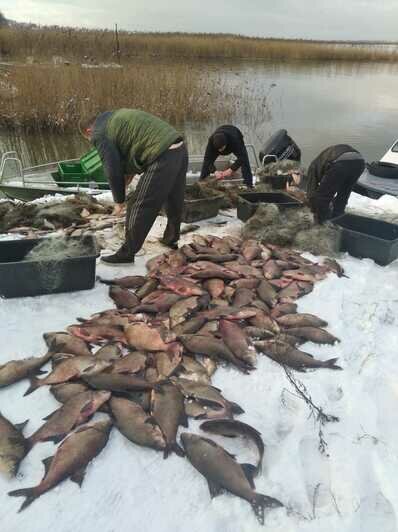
<point x="171" y="245"/>
<point x="122" y="256"/>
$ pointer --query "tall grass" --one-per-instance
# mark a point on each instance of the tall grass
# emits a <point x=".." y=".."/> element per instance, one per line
<point x="54" y="97"/>
<point x="79" y="45"/>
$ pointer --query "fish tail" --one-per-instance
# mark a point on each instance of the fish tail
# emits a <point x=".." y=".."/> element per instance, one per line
<point x="29" y="444"/>
<point x="236" y="409"/>
<point x="34" y="384"/>
<point x="331" y="364"/>
<point x="29" y="493"/>
<point x="173" y="447"/>
<point x="261" y="502"/>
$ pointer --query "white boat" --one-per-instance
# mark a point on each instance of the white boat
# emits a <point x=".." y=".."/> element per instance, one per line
<point x="380" y="177"/>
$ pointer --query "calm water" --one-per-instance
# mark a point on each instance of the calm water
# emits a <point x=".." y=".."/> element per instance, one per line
<point x="319" y="105"/>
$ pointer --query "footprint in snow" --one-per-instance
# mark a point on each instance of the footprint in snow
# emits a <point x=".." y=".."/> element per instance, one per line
<point x="316" y="473"/>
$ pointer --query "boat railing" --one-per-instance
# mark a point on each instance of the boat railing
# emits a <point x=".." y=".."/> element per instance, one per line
<point x="7" y="157"/>
<point x="40" y="167"/>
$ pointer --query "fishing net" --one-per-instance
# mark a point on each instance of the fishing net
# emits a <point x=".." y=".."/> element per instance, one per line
<point x="293" y="228"/>
<point x="48" y="258"/>
<point x="278" y="168"/>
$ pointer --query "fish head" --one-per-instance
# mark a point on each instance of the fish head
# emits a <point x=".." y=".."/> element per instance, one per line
<point x="100" y="397"/>
<point x="189" y="440"/>
<point x="96" y="400"/>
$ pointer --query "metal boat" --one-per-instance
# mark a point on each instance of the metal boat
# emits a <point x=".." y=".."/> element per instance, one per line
<point x="27" y="184"/>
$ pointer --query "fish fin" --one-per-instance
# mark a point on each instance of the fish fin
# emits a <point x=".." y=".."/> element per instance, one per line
<point x="29" y="493"/>
<point x="50" y="415"/>
<point x="158" y="386"/>
<point x="200" y="416"/>
<point x="173" y="447"/>
<point x="40" y="372"/>
<point x="87" y="409"/>
<point x="249" y="471"/>
<point x="184" y="420"/>
<point x="151" y="420"/>
<point x="260" y="502"/>
<point x="20" y="426"/>
<point x="88" y="368"/>
<point x="331" y="364"/>
<point x="214" y="489"/>
<point x="34" y="384"/>
<point x="78" y="476"/>
<point x="47" y="463"/>
<point x="236" y="409"/>
<point x="56" y="438"/>
<point x="105" y="281"/>
<point x="233" y="456"/>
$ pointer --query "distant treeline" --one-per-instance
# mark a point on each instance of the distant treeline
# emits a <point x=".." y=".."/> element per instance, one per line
<point x="17" y="43"/>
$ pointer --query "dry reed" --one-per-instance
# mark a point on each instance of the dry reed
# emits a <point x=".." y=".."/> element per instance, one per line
<point x="79" y="45"/>
<point x="54" y="97"/>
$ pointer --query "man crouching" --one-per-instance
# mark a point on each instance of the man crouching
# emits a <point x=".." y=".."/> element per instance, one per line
<point x="129" y="142"/>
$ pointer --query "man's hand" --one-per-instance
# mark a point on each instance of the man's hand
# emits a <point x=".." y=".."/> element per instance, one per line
<point x="118" y="209"/>
<point x="224" y="174"/>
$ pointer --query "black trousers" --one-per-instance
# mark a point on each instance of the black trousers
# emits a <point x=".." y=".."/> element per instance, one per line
<point x="335" y="188"/>
<point x="163" y="183"/>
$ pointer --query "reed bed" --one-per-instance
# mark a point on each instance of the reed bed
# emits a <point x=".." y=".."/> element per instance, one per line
<point x="47" y="97"/>
<point x="79" y="45"/>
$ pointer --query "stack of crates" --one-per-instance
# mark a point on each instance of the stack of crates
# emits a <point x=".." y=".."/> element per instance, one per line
<point x="87" y="172"/>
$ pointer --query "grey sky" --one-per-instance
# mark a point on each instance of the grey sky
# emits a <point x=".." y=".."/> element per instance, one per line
<point x="316" y="19"/>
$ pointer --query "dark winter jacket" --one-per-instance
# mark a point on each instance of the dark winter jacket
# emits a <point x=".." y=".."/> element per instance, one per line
<point x="321" y="164"/>
<point x="236" y="145"/>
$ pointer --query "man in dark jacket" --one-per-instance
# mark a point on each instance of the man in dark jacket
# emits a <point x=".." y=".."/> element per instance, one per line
<point x="132" y="142"/>
<point x="330" y="180"/>
<point x="226" y="140"/>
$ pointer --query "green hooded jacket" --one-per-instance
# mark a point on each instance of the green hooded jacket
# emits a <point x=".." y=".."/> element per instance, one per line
<point x="128" y="141"/>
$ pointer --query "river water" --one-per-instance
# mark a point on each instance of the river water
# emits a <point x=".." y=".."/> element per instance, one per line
<point x="319" y="105"/>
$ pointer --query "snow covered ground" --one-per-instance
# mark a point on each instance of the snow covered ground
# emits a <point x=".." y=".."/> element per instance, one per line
<point x="351" y="487"/>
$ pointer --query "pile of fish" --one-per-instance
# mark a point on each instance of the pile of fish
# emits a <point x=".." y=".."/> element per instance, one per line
<point x="147" y="364"/>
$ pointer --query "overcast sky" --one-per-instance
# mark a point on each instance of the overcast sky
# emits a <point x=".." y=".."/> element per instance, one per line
<point x="314" y="19"/>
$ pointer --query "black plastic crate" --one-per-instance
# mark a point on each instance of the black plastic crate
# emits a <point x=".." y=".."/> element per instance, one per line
<point x="278" y="182"/>
<point x="249" y="201"/>
<point x="368" y="238"/>
<point x="20" y="278"/>
<point x="201" y="209"/>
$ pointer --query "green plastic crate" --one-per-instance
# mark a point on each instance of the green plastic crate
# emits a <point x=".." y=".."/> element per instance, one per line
<point x="88" y="169"/>
<point x="92" y="165"/>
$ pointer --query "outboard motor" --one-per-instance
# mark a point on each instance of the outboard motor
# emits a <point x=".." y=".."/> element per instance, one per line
<point x="279" y="147"/>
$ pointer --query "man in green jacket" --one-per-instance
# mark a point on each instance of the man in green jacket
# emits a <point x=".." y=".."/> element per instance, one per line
<point x="131" y="142"/>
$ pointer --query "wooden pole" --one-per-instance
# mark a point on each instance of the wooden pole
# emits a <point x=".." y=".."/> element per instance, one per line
<point x="117" y="44"/>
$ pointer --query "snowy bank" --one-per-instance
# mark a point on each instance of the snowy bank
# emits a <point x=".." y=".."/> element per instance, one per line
<point x="351" y="487"/>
